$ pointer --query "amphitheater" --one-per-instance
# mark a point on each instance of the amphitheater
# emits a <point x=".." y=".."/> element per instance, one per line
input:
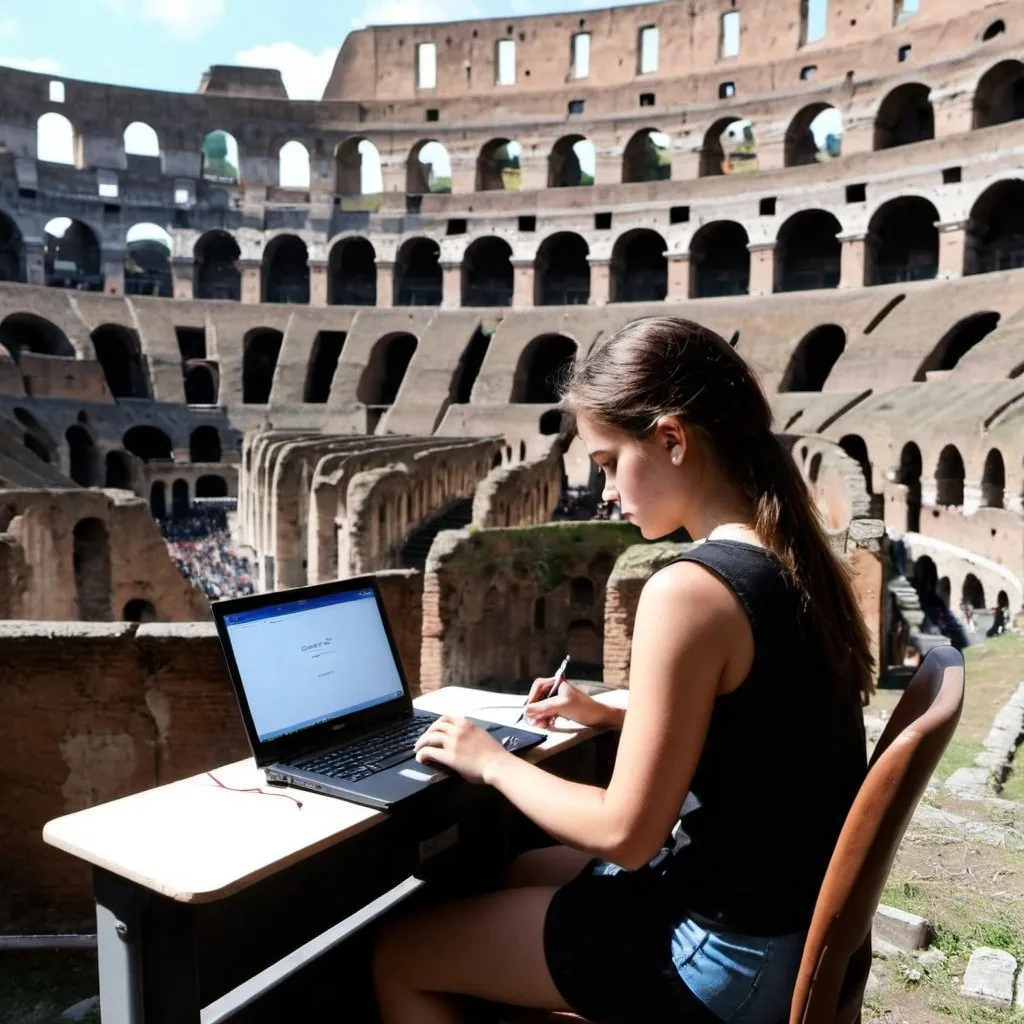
<point x="336" y="324"/>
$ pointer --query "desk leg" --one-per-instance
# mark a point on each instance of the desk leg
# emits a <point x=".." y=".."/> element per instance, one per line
<point x="144" y="937"/>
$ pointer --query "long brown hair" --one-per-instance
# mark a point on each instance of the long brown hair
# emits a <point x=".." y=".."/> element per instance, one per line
<point x="662" y="366"/>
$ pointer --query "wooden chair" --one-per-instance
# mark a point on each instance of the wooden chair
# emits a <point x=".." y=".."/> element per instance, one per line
<point x="837" y="955"/>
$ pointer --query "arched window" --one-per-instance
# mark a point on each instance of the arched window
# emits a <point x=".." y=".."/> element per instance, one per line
<point x="92" y="570"/>
<point x="903" y="241"/>
<point x="993" y="480"/>
<point x="719" y="260"/>
<point x="909" y="474"/>
<point x="55" y="140"/>
<point x="418" y="273"/>
<point x="293" y="166"/>
<point x="551" y="422"/>
<point x="539" y="368"/>
<point x="498" y="166"/>
<point x="12" y="253"/>
<point x="487" y="276"/>
<point x="71" y="256"/>
<point x="118" y="471"/>
<point x="147" y="261"/>
<point x="807" y="252"/>
<point x="83" y="460"/>
<point x="904" y="117"/>
<point x="138" y="610"/>
<point x="201" y="383"/>
<point x="211" y="486"/>
<point x="147" y="443"/>
<point x="117" y="349"/>
<point x="949" y="477"/>
<point x="562" y="271"/>
<point x="647" y="157"/>
<point x="814" y="136"/>
<point x="854" y="446"/>
<point x="158" y="500"/>
<point x="729" y="148"/>
<point x="26" y="332"/>
<point x="352" y="273"/>
<point x="216" y="262"/>
<point x="639" y="268"/>
<point x="386" y="368"/>
<point x="181" y="503"/>
<point x="973" y="593"/>
<point x="957" y="342"/>
<point x="996" y="229"/>
<point x="286" y="271"/>
<point x="358" y="173"/>
<point x="1000" y="95"/>
<point x="573" y="162"/>
<point x="204" y="445"/>
<point x="323" y="364"/>
<point x="813" y="359"/>
<point x="220" y="157"/>
<point x="428" y="169"/>
<point x="470" y="363"/>
<point x="141" y="140"/>
<point x="260" y="348"/>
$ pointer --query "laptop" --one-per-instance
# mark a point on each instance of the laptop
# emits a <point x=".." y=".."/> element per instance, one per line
<point x="323" y="696"/>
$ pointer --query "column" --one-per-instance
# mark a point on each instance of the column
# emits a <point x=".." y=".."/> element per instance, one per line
<point x="600" y="282"/>
<point x="252" y="281"/>
<point x="317" y="283"/>
<point x="385" y="285"/>
<point x="533" y="171"/>
<point x="451" y="285"/>
<point x="113" y="271"/>
<point x="35" y="272"/>
<point x="522" y="284"/>
<point x="183" y="272"/>
<point x="953" y="238"/>
<point x="678" y="276"/>
<point x="852" y="269"/>
<point x="762" y="268"/>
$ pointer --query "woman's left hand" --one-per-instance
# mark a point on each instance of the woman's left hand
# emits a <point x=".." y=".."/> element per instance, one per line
<point x="459" y="744"/>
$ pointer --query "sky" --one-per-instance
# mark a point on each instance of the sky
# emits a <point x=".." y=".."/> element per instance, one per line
<point x="168" y="44"/>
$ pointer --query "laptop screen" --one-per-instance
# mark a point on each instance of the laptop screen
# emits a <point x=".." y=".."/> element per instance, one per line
<point x="306" y="662"/>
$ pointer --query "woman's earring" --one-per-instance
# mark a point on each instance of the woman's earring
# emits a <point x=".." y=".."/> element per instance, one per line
<point x="677" y="455"/>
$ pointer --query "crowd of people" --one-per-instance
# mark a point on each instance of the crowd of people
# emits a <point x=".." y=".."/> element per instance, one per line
<point x="200" y="544"/>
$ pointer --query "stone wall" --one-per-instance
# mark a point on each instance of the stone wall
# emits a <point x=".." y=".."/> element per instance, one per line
<point x="520" y="494"/>
<point x="85" y="554"/>
<point x="501" y="606"/>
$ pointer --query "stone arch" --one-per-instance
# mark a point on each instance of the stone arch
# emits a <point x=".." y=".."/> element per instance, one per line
<point x="815" y="135"/>
<point x="949" y="477"/>
<point x="220" y="157"/>
<point x="12" y="251"/>
<point x="808" y="254"/>
<point x="148" y="443"/>
<point x="470" y="363"/>
<point x="905" y="116"/>
<point x="995" y="239"/>
<point x="925" y="574"/>
<point x="719" y="260"/>
<point x="428" y="169"/>
<point x="217" y="275"/>
<point x="26" y="332"/>
<point x="323" y="364"/>
<point x="581" y="592"/>
<point x="211" y="486"/>
<point x="141" y="139"/>
<point x="56" y="140"/>
<point x="71" y="256"/>
<point x="386" y="368"/>
<point x="357" y="168"/>
<point x="562" y="271"/>
<point x="999" y="97"/>
<point x="909" y="474"/>
<point x="972" y="592"/>
<point x="487" y="275"/>
<point x="118" y="352"/>
<point x="854" y="446"/>
<point x="814" y="358"/>
<point x="352" y="273"/>
<point x="729" y="147"/>
<point x="418" y="280"/>
<point x="540" y="365"/>
<point x="572" y="162"/>
<point x="993" y="480"/>
<point x="286" y="271"/>
<point x="647" y="157"/>
<point x="550" y="422"/>
<point x="639" y="268"/>
<point x="83" y="459"/>
<point x="181" y="502"/>
<point x="260" y="350"/>
<point x="957" y="342"/>
<point x="204" y="445"/>
<point x="118" y="473"/>
<point x="139" y="610"/>
<point x="498" y="166"/>
<point x="903" y="241"/>
<point x="147" y="261"/>
<point x="91" y="559"/>
<point x="201" y="383"/>
<point x="293" y="166"/>
<point x="158" y="500"/>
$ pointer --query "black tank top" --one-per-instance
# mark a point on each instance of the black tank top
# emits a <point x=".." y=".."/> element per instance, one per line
<point x="784" y="757"/>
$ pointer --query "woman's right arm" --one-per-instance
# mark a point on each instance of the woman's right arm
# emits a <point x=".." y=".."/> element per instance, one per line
<point x="572" y="704"/>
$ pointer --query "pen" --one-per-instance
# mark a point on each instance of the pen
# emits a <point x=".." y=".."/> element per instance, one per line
<point x="558" y="678"/>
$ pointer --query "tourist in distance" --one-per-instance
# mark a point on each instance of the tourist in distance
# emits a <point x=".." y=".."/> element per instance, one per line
<point x="684" y="890"/>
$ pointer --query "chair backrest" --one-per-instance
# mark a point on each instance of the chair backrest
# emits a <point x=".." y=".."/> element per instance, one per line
<point x="837" y="954"/>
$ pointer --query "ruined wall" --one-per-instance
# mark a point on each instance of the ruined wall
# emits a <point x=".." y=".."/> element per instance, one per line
<point x="83" y="554"/>
<point x="501" y="606"/>
<point x="522" y="494"/>
<point x="402" y="590"/>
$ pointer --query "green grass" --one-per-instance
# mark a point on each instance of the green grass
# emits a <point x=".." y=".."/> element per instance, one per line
<point x="1013" y="788"/>
<point x="37" y="988"/>
<point x="958" y="755"/>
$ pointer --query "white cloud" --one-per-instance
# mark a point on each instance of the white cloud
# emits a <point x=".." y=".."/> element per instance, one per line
<point x="8" y="27"/>
<point x="305" y="74"/>
<point x="411" y="12"/>
<point x="183" y="17"/>
<point x="41" y="65"/>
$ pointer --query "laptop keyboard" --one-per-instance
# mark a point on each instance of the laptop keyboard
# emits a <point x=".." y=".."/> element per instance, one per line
<point x="365" y="757"/>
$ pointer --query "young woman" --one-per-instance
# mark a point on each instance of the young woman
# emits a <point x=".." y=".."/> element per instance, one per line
<point x="683" y="891"/>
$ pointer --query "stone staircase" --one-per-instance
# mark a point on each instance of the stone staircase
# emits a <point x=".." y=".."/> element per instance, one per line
<point x="457" y="516"/>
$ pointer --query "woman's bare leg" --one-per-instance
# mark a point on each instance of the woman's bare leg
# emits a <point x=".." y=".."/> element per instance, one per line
<point x="550" y="865"/>
<point x="490" y="947"/>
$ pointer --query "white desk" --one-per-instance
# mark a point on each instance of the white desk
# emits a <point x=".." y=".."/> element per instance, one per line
<point x="179" y="868"/>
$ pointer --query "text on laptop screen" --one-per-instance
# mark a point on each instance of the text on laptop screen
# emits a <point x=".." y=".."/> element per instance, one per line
<point x="312" y="660"/>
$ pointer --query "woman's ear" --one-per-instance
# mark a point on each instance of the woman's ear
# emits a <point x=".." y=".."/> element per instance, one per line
<point x="669" y="433"/>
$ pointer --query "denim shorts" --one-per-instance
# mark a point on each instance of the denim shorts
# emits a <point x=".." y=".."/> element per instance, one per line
<point x="618" y="956"/>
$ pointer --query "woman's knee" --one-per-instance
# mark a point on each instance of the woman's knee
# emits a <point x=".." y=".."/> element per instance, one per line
<point x="550" y="865"/>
